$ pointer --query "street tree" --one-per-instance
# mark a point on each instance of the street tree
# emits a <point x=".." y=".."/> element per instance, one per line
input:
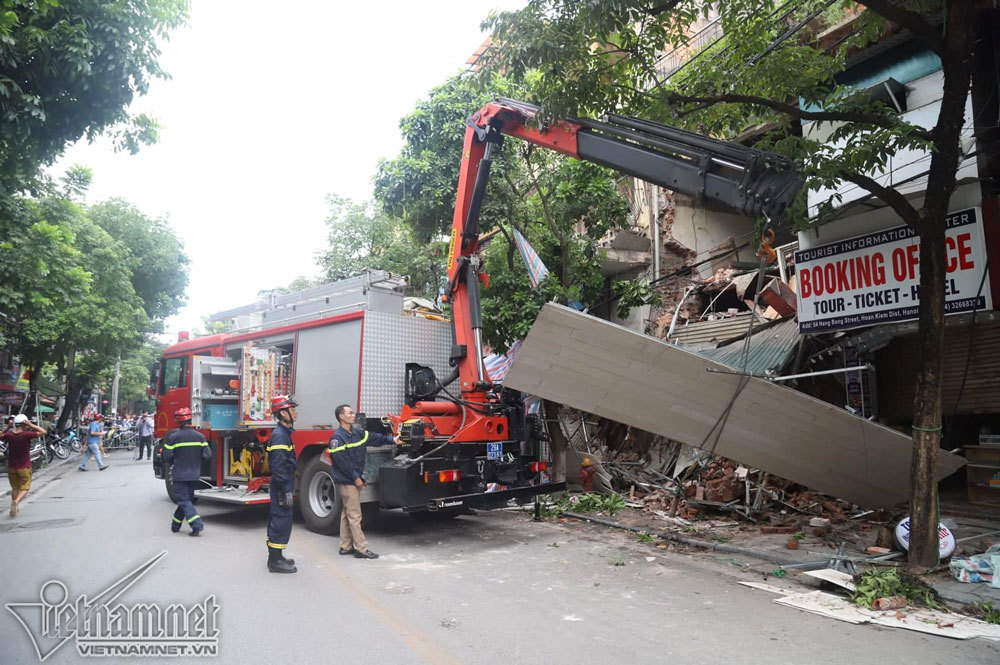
<point x="95" y="308"/>
<point x="70" y="69"/>
<point x="592" y="57"/>
<point x="155" y="255"/>
<point x="363" y="235"/>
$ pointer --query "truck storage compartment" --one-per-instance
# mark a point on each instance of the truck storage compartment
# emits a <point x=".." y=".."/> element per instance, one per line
<point x="213" y="395"/>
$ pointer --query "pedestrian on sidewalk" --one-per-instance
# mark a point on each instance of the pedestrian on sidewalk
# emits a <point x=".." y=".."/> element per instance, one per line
<point x="95" y="433"/>
<point x="281" y="461"/>
<point x="19" y="459"/>
<point x="146" y="434"/>
<point x="185" y="448"/>
<point x="347" y="454"/>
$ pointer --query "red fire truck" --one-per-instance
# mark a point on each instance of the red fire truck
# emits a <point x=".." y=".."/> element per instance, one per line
<point x="466" y="440"/>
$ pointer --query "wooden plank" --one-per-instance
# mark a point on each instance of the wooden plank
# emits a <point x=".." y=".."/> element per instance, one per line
<point x="594" y="365"/>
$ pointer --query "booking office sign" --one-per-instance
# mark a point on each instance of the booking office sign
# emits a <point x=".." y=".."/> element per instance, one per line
<point x="875" y="278"/>
<point x="102" y="627"/>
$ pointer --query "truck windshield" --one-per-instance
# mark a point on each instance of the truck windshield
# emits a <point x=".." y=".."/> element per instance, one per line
<point x="173" y="374"/>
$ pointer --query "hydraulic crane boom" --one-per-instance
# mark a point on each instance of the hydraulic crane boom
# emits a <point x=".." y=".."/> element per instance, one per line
<point x="747" y="181"/>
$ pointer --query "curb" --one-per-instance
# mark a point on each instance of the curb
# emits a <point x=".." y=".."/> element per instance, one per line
<point x="694" y="542"/>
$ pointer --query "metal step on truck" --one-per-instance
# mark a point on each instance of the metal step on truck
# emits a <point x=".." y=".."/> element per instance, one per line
<point x="354" y="341"/>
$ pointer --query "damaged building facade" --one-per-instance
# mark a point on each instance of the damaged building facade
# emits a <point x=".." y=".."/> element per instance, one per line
<point x="841" y="294"/>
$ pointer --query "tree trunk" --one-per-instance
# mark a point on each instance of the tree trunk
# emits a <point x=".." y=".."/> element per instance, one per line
<point x="956" y="67"/>
<point x="558" y="440"/>
<point x="71" y="390"/>
<point x="564" y="260"/>
<point x="927" y="405"/>
<point x="72" y="404"/>
<point x="32" y="400"/>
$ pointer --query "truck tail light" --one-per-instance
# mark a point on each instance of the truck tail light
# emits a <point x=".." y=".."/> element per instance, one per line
<point x="451" y="476"/>
<point x="538" y="466"/>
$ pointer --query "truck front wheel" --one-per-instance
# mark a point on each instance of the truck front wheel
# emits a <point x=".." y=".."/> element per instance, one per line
<point x="319" y="500"/>
<point x="168" y="481"/>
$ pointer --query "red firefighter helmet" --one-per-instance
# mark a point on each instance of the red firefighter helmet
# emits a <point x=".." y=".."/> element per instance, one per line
<point x="182" y="415"/>
<point x="282" y="402"/>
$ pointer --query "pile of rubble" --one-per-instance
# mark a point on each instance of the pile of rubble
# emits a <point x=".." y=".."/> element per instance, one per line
<point x="710" y="485"/>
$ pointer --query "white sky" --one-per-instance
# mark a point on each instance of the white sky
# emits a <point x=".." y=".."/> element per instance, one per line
<point x="267" y="113"/>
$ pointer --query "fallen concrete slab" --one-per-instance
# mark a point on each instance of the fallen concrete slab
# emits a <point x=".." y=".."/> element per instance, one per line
<point x="590" y="364"/>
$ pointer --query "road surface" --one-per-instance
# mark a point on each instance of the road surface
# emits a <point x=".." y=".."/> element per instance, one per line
<point x="484" y="589"/>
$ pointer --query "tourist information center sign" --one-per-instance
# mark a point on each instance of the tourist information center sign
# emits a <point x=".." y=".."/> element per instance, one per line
<point x="875" y="278"/>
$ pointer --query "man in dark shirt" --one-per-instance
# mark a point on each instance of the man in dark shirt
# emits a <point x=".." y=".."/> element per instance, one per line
<point x="185" y="448"/>
<point x="347" y="454"/>
<point x="19" y="459"/>
<point x="281" y="462"/>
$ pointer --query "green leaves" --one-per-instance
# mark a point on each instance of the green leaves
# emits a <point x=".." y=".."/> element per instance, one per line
<point x="71" y="69"/>
<point x="886" y="582"/>
<point x="633" y="293"/>
<point x="362" y="235"/>
<point x="550" y="199"/>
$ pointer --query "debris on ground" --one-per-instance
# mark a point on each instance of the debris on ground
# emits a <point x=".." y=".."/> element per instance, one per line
<point x="978" y="568"/>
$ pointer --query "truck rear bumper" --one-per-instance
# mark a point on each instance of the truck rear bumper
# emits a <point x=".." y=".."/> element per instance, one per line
<point x="237" y="495"/>
<point x="496" y="499"/>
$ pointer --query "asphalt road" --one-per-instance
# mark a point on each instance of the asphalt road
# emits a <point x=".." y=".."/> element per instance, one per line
<point x="491" y="588"/>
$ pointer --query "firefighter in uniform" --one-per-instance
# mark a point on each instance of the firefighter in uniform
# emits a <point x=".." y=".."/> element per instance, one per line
<point x="281" y="460"/>
<point x="185" y="448"/>
<point x="347" y="455"/>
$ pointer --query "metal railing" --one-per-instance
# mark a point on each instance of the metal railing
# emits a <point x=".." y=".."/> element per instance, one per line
<point x="672" y="61"/>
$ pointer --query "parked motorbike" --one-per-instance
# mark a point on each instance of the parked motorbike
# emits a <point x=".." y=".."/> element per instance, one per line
<point x="56" y="446"/>
<point x="70" y="438"/>
<point x="39" y="454"/>
<point x="65" y="443"/>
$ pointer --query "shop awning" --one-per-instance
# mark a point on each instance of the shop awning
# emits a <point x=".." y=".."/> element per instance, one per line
<point x="594" y="365"/>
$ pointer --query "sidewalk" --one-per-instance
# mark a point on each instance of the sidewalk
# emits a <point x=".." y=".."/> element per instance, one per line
<point x="950" y="589"/>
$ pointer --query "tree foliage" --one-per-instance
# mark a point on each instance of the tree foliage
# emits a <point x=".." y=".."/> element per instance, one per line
<point x="362" y="235"/>
<point x="560" y="205"/>
<point x="71" y="68"/>
<point x="155" y="256"/>
<point x="754" y="75"/>
<point x="77" y="296"/>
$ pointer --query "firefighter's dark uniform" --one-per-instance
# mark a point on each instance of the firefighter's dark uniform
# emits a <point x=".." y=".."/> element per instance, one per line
<point x="348" y="456"/>
<point x="185" y="448"/>
<point x="281" y="459"/>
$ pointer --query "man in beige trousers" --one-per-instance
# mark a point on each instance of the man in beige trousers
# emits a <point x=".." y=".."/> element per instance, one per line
<point x="347" y="454"/>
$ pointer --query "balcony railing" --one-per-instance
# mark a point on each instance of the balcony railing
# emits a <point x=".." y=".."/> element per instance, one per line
<point x="670" y="62"/>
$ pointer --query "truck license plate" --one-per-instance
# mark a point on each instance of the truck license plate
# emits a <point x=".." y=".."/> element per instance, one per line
<point x="494" y="450"/>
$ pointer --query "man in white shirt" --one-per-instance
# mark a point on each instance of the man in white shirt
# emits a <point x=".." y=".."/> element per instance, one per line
<point x="146" y="434"/>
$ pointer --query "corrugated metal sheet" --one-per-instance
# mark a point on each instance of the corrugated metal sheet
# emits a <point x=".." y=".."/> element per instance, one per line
<point x="596" y="366"/>
<point x="898" y="365"/>
<point x="770" y="349"/>
<point x="722" y="330"/>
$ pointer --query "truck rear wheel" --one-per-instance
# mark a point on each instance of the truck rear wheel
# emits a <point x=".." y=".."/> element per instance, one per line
<point x="319" y="500"/>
